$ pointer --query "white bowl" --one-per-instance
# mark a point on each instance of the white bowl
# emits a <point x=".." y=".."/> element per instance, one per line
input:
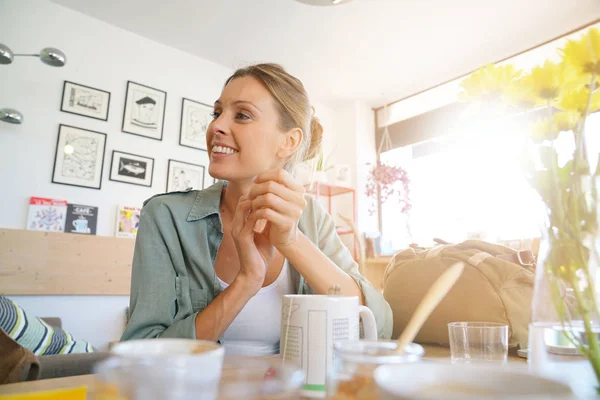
<point x="165" y="368"/>
<point x="430" y="380"/>
<point x="164" y="347"/>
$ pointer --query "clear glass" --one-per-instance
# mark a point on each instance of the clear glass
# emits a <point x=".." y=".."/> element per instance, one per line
<point x="154" y="378"/>
<point x="355" y="362"/>
<point x="478" y="342"/>
<point x="551" y="353"/>
<point x="259" y="379"/>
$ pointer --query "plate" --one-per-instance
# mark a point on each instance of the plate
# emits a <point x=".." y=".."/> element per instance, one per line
<point x="427" y="381"/>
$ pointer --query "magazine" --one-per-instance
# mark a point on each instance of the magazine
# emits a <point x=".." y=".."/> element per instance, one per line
<point x="81" y="219"/>
<point x="46" y="214"/>
<point x="128" y="221"/>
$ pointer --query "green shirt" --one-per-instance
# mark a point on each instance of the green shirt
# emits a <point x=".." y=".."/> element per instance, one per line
<point x="173" y="277"/>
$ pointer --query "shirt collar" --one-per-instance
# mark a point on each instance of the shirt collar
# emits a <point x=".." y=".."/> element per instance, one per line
<point x="207" y="202"/>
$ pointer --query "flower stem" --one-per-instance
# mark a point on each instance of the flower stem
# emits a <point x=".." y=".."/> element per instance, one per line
<point x="592" y="337"/>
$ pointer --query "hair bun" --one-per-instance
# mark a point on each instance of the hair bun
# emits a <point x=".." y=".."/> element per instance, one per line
<point x="316" y="137"/>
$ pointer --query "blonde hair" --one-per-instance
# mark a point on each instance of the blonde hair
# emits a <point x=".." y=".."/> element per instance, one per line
<point x="294" y="108"/>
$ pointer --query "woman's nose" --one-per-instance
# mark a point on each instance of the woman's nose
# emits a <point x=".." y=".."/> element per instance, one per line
<point x="219" y="126"/>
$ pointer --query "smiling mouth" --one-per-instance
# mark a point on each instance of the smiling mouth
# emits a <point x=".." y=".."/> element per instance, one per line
<point x="223" y="150"/>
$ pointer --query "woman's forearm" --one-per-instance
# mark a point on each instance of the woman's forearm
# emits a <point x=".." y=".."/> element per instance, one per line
<point x="214" y="320"/>
<point x="318" y="270"/>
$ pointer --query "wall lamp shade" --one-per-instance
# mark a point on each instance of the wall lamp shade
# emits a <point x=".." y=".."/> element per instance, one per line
<point x="53" y="57"/>
<point x="48" y="55"/>
<point x="6" y="55"/>
<point x="11" y="116"/>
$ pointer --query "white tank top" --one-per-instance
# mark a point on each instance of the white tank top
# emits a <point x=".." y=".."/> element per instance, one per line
<point x="256" y="329"/>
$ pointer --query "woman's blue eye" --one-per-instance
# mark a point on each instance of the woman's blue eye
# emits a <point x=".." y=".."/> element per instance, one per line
<point x="242" y="116"/>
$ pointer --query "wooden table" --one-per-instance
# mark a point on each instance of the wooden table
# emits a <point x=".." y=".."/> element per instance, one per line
<point x="439" y="354"/>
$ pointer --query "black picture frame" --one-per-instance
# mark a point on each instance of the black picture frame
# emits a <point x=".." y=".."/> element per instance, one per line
<point x="131" y="178"/>
<point x="135" y="126"/>
<point x="173" y="185"/>
<point x="83" y="108"/>
<point x="65" y="164"/>
<point x="194" y="113"/>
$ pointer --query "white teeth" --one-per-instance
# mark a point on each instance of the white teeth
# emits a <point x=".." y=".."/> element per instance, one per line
<point x="223" y="150"/>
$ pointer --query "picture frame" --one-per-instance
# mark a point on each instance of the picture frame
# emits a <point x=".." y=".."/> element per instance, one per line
<point x="131" y="168"/>
<point x="343" y="175"/>
<point x="183" y="175"/>
<point x="195" y="118"/>
<point x="79" y="157"/>
<point x="84" y="100"/>
<point x="144" y="113"/>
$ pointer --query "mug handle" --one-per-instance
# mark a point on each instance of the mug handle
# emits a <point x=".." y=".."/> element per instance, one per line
<point x="368" y="320"/>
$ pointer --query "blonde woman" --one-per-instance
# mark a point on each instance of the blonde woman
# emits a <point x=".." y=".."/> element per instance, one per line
<point x="214" y="264"/>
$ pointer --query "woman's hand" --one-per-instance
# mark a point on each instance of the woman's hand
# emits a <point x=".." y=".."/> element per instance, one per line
<point x="253" y="249"/>
<point x="279" y="200"/>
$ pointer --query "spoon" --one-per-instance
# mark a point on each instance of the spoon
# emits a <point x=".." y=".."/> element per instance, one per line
<point x="433" y="297"/>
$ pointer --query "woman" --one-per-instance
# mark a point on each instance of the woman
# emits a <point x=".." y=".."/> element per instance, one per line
<point x="213" y="264"/>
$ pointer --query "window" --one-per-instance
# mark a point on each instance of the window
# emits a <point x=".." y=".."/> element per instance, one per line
<point x="468" y="185"/>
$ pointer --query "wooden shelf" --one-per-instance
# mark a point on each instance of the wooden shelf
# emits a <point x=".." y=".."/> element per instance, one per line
<point x="343" y="230"/>
<point x="47" y="263"/>
<point x="327" y="189"/>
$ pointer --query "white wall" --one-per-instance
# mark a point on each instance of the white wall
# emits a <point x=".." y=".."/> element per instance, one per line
<point x="355" y="145"/>
<point x="105" y="57"/>
<point x="366" y="152"/>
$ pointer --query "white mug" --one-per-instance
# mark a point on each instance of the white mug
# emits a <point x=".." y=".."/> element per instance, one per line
<point x="311" y="324"/>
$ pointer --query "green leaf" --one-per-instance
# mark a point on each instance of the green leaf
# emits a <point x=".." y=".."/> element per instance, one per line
<point x="542" y="183"/>
<point x="548" y="157"/>
<point x="565" y="173"/>
<point x="597" y="172"/>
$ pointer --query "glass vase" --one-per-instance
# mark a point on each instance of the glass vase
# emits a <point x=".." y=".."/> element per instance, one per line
<point x="564" y="333"/>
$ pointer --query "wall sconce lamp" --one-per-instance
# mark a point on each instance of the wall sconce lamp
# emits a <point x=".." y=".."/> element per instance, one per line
<point x="50" y="56"/>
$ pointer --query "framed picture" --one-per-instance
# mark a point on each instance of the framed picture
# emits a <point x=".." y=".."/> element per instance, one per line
<point x="343" y="175"/>
<point x="182" y="176"/>
<point x="195" y="118"/>
<point x="79" y="157"/>
<point x="144" y="112"/>
<point x="84" y="100"/>
<point x="131" y="168"/>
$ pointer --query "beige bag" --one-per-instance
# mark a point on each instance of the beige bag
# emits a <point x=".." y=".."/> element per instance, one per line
<point x="496" y="286"/>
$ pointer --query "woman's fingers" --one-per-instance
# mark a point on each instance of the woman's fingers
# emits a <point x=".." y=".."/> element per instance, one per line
<point x="241" y="213"/>
<point x="280" y="176"/>
<point x="276" y="203"/>
<point x="282" y="222"/>
<point x="279" y="190"/>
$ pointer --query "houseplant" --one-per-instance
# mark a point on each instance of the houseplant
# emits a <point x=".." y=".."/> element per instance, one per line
<point x="392" y="184"/>
<point x="321" y="167"/>
<point x="559" y="98"/>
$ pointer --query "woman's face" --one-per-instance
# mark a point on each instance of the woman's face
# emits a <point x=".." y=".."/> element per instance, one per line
<point x="244" y="139"/>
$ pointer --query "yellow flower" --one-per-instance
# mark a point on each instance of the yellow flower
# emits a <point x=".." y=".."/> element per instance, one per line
<point x="521" y="95"/>
<point x="548" y="80"/>
<point x="584" y="54"/>
<point x="489" y="82"/>
<point x="542" y="130"/>
<point x="575" y="100"/>
<point x="566" y="120"/>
